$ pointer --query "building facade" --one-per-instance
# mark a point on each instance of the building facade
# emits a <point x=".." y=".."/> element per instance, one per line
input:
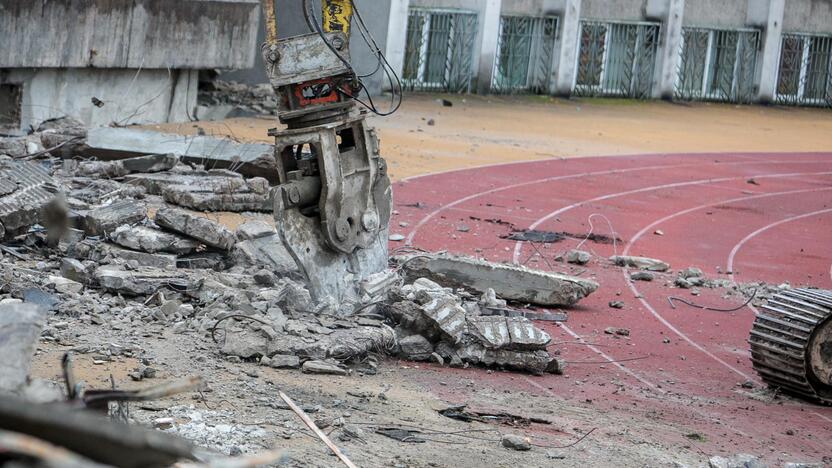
<point x="742" y="51"/>
<point x="116" y="62"/>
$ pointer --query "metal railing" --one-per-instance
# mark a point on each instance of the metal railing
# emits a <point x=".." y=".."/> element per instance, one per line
<point x="525" y="50"/>
<point x="616" y="59"/>
<point x="439" y="54"/>
<point x="718" y="65"/>
<point x="805" y="73"/>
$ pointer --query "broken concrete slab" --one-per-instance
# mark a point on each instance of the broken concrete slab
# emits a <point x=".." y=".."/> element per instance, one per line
<point x="104" y="220"/>
<point x="254" y="230"/>
<point x="67" y="134"/>
<point x="496" y="332"/>
<point x="114" y="169"/>
<point x="643" y="263"/>
<point x="28" y="195"/>
<point x="153" y="260"/>
<point x="199" y="199"/>
<point x="214" y="180"/>
<point x="323" y="367"/>
<point x="20" y="328"/>
<point x="152" y="240"/>
<point x="64" y="285"/>
<point x="281" y="361"/>
<point x="118" y="143"/>
<point x="141" y="282"/>
<point x="202" y="229"/>
<point x="448" y="316"/>
<point x="509" y="282"/>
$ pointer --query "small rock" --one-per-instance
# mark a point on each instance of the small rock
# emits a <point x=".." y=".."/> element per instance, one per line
<point x="617" y="331"/>
<point x="65" y="286"/>
<point x="578" y="257"/>
<point x="643" y="263"/>
<point x="616" y="304"/>
<point x="642" y="276"/>
<point x="516" y="442"/>
<point x="163" y="423"/>
<point x="431" y="122"/>
<point x="284" y="361"/>
<point x="396" y="237"/>
<point x="658" y="232"/>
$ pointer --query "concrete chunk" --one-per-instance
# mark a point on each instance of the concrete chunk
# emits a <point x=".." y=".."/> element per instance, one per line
<point x="578" y="257"/>
<point x="254" y="230"/>
<point x="643" y="263"/>
<point x="207" y="201"/>
<point x="105" y="220"/>
<point x="496" y="332"/>
<point x="157" y="260"/>
<point x="447" y="315"/>
<point x="266" y="252"/>
<point x="416" y="348"/>
<point x="508" y="281"/>
<point x="322" y="367"/>
<point x="199" y="228"/>
<point x="152" y="240"/>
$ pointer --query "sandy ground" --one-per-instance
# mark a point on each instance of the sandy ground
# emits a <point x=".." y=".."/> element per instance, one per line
<point x="488" y="130"/>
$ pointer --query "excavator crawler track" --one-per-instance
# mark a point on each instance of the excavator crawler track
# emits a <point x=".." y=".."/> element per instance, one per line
<point x="791" y="343"/>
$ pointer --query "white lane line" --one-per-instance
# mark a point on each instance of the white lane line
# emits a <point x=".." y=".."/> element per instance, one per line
<point x="431" y="215"/>
<point x="611" y="360"/>
<point x="647" y="228"/>
<point x="740" y="244"/>
<point x="518" y="246"/>
<point x="647" y="305"/>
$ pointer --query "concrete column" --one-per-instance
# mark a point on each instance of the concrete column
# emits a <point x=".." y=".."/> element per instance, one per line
<point x="567" y="54"/>
<point x="670" y="13"/>
<point x="489" y="35"/>
<point x="769" y="58"/>
<point x="397" y="36"/>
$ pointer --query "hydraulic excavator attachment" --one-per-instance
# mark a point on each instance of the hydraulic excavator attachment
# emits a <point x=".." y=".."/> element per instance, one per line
<point x="333" y="204"/>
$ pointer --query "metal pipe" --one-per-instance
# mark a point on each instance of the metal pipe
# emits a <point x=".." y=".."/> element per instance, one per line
<point x="269" y="21"/>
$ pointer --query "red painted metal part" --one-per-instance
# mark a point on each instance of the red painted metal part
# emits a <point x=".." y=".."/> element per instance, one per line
<point x="747" y="217"/>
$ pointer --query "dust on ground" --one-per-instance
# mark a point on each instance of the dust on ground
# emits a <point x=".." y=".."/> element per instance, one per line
<point x="481" y="130"/>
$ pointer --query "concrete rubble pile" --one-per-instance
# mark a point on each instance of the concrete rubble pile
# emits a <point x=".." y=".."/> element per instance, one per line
<point x="135" y="237"/>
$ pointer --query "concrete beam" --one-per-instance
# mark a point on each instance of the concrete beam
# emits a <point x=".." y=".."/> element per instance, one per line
<point x="670" y="13"/>
<point x="570" y="35"/>
<point x="489" y="35"/>
<point x="397" y="36"/>
<point x="252" y="159"/>
<point x="770" y="52"/>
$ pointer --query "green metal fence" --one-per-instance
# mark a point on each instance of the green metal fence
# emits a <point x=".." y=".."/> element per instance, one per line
<point x="525" y="49"/>
<point x="616" y="59"/>
<point x="718" y="65"/>
<point x="805" y="73"/>
<point x="440" y="50"/>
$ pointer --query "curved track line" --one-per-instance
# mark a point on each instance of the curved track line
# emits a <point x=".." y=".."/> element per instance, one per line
<point x="658" y="316"/>
<point x="431" y="215"/>
<point x="645" y="303"/>
<point x="749" y="157"/>
<point x="740" y="244"/>
<point x="518" y="246"/>
<point x="612" y="361"/>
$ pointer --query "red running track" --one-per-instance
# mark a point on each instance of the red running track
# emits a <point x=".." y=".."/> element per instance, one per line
<point x="746" y="217"/>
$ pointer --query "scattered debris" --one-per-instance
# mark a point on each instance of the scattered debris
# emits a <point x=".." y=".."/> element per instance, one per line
<point x="644" y="263"/>
<point x="617" y="331"/>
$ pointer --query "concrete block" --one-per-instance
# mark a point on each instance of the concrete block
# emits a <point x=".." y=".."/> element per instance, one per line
<point x="643" y="263"/>
<point x="141" y="282"/>
<point x="20" y="328"/>
<point x="204" y="230"/>
<point x="254" y="230"/>
<point x="154" y="260"/>
<point x="105" y="220"/>
<point x="151" y="240"/>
